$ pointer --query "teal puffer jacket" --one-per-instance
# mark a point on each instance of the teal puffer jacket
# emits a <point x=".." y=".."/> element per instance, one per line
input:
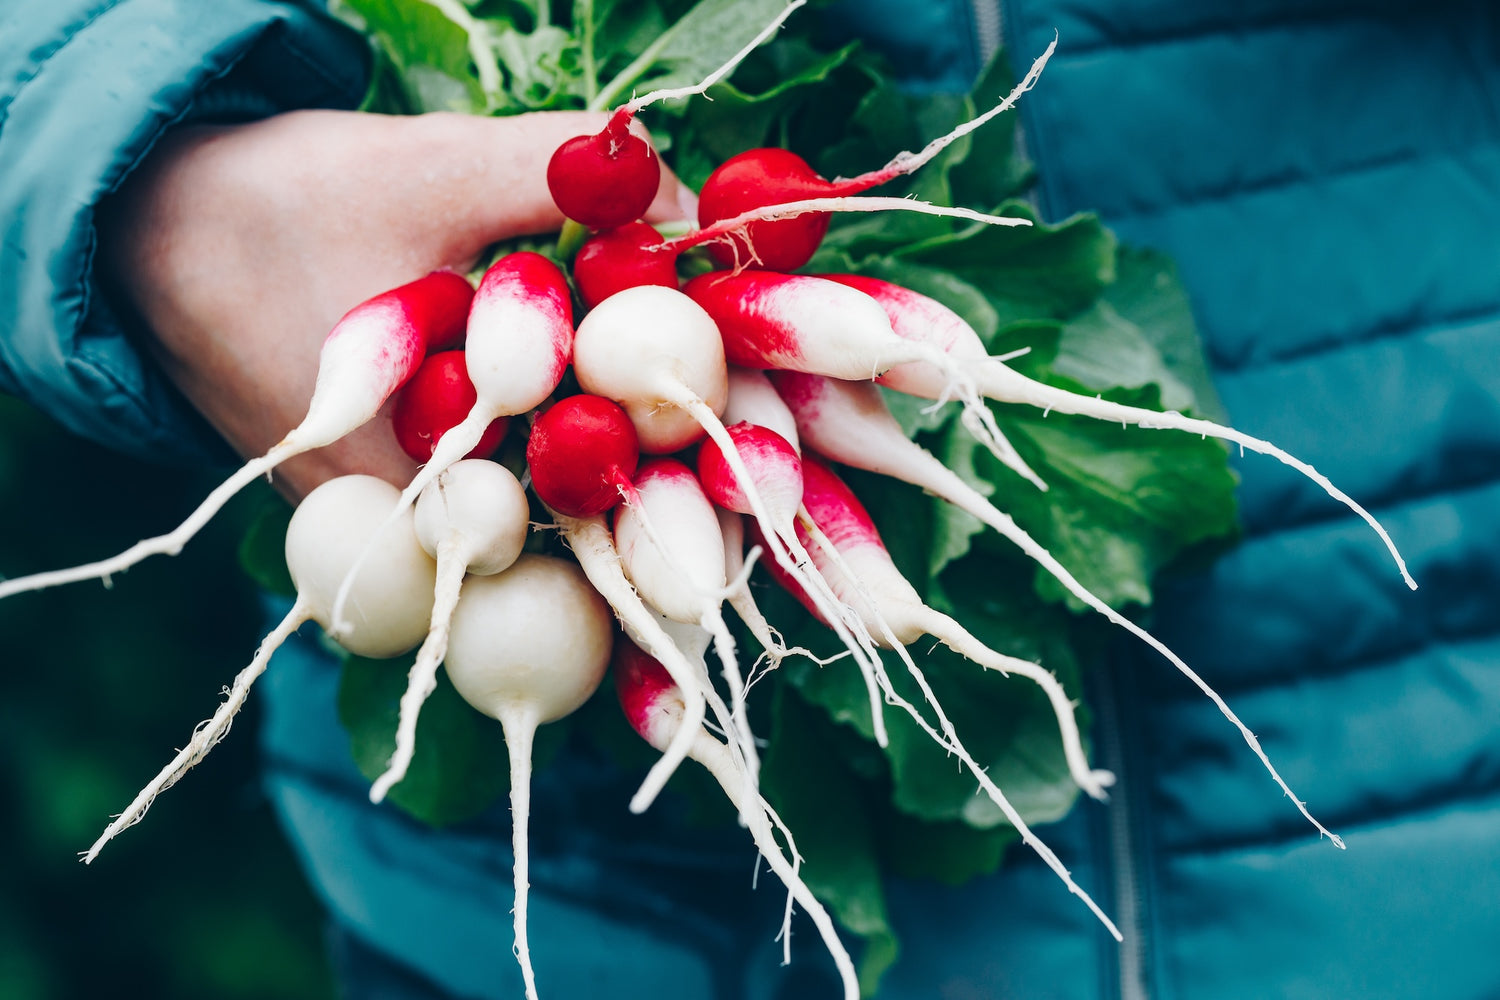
<point x="1326" y="176"/>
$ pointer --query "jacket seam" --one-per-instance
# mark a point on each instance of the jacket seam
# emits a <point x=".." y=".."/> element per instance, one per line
<point x="69" y="33"/>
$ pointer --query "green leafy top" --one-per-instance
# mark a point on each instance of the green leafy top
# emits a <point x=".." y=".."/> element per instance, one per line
<point x="1091" y="316"/>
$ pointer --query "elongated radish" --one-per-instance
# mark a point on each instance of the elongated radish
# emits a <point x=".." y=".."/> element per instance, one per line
<point x="366" y="357"/>
<point x="847" y="527"/>
<point x="593" y="545"/>
<point x="760" y="177"/>
<point x="436" y="398"/>
<point x="391" y="608"/>
<point x="754" y="400"/>
<point x="611" y="178"/>
<point x="849" y="423"/>
<point x="528" y="646"/>
<point x="654" y="707"/>
<point x="922" y="319"/>
<point x="472" y="520"/>
<point x="808" y="324"/>
<point x="520" y="335"/>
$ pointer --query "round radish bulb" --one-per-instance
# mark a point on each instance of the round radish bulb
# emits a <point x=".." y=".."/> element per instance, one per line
<point x="582" y="454"/>
<point x="622" y="258"/>
<point x="754" y="179"/>
<point x="477" y="509"/>
<point x="604" y="180"/>
<point x="435" y="400"/>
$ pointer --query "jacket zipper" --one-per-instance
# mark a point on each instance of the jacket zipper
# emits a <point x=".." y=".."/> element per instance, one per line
<point x="1109" y="719"/>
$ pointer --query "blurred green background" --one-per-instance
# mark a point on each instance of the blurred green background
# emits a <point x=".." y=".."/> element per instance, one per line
<point x="202" y="899"/>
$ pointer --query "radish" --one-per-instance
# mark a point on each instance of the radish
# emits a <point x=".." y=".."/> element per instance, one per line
<point x="437" y="397"/>
<point x="611" y="178"/>
<point x="391" y="606"/>
<point x="473" y="520"/>
<point x="622" y="258"/>
<point x="760" y="177"/>
<point x="808" y="324"/>
<point x="367" y="356"/>
<point x="582" y="453"/>
<point x="925" y="320"/>
<point x="655" y="709"/>
<point x="529" y="646"/>
<point x="849" y="423"/>
<point x="754" y="400"/>
<point x="594" y="547"/>
<point x="852" y="551"/>
<point x="520" y="335"/>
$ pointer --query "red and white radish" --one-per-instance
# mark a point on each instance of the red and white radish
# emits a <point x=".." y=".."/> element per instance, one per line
<point x="849" y="423"/>
<point x="391" y="607"/>
<point x="529" y="645"/>
<point x="807" y="324"/>
<point x="436" y="398"/>
<point x="520" y="335"/>
<point x="366" y="357"/>
<point x="919" y="318"/>
<point x="654" y="707"/>
<point x="761" y="177"/>
<point x="472" y="520"/>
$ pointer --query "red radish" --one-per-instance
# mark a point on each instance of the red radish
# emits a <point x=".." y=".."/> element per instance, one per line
<point x="520" y="336"/>
<point x="849" y="423"/>
<point x="333" y="525"/>
<point x="622" y="258"/>
<point x="473" y="520"/>
<point x="582" y="453"/>
<point x="808" y="324"/>
<point x="611" y="178"/>
<point x="921" y="319"/>
<point x="366" y="357"/>
<point x="760" y="177"/>
<point x="529" y="646"/>
<point x="861" y="555"/>
<point x="594" y="547"/>
<point x="654" y="707"/>
<point x="436" y="398"/>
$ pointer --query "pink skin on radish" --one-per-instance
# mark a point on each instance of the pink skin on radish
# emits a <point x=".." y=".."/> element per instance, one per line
<point x="847" y="527"/>
<point x="435" y="399"/>
<point x="520" y="335"/>
<point x="472" y="519"/>
<point x="333" y="524"/>
<point x="528" y="647"/>
<point x="367" y="356"/>
<point x="849" y="423"/>
<point x="807" y="324"/>
<point x="919" y="318"/>
<point x="654" y="708"/>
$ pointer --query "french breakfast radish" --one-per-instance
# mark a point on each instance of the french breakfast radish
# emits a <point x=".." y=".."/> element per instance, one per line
<point x="654" y="707"/>
<point x="849" y="423"/>
<point x="366" y="357"/>
<point x="520" y="335"/>
<point x="922" y="319"/>
<point x="472" y="520"/>
<point x="391" y="607"/>
<point x="529" y="645"/>
<point x="769" y="176"/>
<point x="435" y="399"/>
<point x="807" y="324"/>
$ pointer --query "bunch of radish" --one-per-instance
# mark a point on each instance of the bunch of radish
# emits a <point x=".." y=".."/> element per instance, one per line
<point x="705" y="416"/>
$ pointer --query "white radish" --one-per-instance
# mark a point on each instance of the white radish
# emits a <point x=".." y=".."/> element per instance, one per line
<point x="520" y="335"/>
<point x="390" y="608"/>
<point x="366" y="357"/>
<point x="528" y="646"/>
<point x="471" y="519"/>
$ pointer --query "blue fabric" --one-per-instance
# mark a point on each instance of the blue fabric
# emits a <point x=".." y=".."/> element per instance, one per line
<point x="125" y="71"/>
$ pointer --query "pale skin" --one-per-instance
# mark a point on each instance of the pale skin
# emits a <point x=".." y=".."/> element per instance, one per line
<point x="241" y="246"/>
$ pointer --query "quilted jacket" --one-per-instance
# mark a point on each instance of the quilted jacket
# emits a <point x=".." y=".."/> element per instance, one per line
<point x="1327" y="175"/>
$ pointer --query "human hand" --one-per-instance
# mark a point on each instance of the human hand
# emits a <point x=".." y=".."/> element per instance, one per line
<point x="241" y="246"/>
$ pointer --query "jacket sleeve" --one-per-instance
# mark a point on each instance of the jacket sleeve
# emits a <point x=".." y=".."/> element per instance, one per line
<point x="87" y="88"/>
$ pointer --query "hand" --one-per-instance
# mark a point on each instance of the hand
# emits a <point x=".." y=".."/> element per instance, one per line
<point x="241" y="246"/>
